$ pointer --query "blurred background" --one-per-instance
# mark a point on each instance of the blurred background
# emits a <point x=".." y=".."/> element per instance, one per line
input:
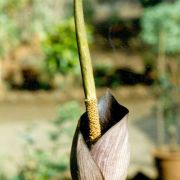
<point x="135" y="49"/>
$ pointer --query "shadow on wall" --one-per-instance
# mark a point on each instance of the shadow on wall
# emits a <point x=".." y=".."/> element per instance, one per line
<point x="123" y="76"/>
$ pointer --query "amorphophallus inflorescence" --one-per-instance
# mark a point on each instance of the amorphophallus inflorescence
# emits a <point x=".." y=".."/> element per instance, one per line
<point x="100" y="148"/>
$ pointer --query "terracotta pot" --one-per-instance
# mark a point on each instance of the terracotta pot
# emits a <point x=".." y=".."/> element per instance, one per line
<point x="168" y="164"/>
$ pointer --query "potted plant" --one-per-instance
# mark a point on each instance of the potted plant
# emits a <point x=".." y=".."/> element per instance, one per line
<point x="160" y="29"/>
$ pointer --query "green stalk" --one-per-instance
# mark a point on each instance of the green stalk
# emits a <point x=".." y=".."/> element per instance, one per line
<point x="84" y="54"/>
<point x="86" y="71"/>
<point x="161" y="67"/>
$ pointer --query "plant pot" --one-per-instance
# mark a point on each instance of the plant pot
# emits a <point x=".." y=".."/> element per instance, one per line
<point x="168" y="164"/>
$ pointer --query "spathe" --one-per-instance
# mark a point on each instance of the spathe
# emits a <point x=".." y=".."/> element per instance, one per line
<point x="108" y="158"/>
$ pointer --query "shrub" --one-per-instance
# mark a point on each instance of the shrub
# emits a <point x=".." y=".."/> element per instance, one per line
<point x="61" y="49"/>
<point x="164" y="18"/>
<point x="161" y="30"/>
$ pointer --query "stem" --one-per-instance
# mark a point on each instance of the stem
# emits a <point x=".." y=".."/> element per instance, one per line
<point x="161" y="56"/>
<point x="160" y="125"/>
<point x="161" y="67"/>
<point x="87" y="72"/>
<point x="84" y="54"/>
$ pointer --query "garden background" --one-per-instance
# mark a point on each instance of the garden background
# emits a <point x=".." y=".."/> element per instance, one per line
<point x="135" y="47"/>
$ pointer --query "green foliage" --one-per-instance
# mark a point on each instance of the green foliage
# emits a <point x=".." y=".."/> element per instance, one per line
<point x="147" y="3"/>
<point x="16" y="24"/>
<point x="88" y="7"/>
<point x="21" y="20"/>
<point x="61" y="49"/>
<point x="161" y="30"/>
<point x="163" y="18"/>
<point x="9" y="31"/>
<point x="69" y="111"/>
<point x="51" y="162"/>
<point x="169" y="107"/>
<point x="2" y="168"/>
<point x="88" y="10"/>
